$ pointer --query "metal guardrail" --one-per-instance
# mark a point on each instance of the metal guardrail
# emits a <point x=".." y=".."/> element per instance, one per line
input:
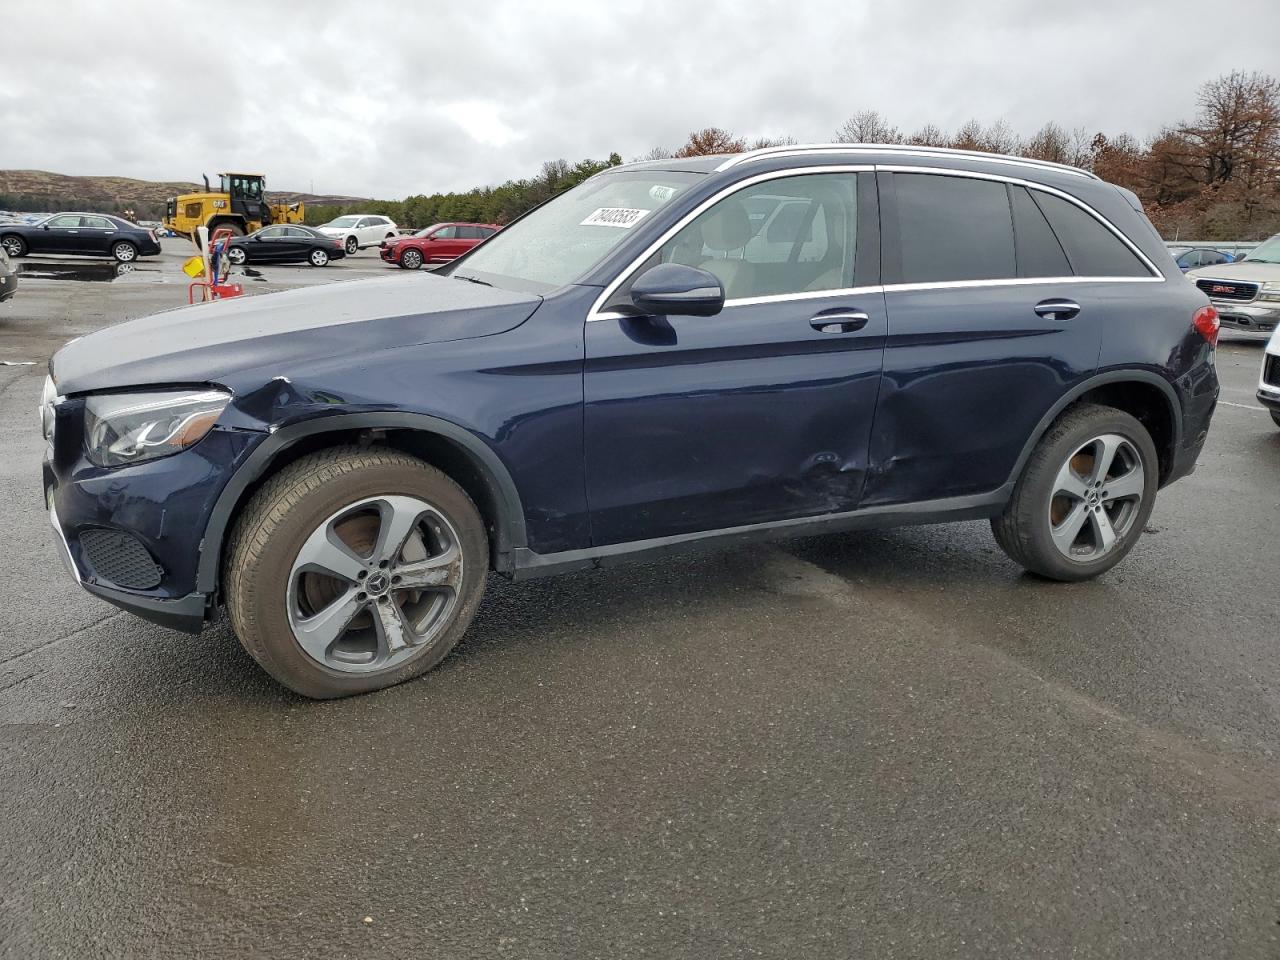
<point x="1232" y="247"/>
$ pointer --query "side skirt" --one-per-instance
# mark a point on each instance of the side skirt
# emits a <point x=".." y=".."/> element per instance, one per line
<point x="528" y="564"/>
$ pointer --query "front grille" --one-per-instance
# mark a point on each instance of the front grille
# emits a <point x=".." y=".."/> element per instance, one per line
<point x="120" y="558"/>
<point x="1228" y="289"/>
<point x="1271" y="371"/>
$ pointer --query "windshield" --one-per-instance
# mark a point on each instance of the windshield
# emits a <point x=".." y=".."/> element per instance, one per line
<point x="562" y="239"/>
<point x="427" y="231"/>
<point x="343" y="222"/>
<point x="1266" y="252"/>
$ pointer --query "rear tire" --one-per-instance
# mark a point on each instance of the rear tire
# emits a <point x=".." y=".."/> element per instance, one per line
<point x="1084" y="496"/>
<point x="124" y="252"/>
<point x="318" y="258"/>
<point x="14" y="245"/>
<point x="351" y="246"/>
<point x="263" y="582"/>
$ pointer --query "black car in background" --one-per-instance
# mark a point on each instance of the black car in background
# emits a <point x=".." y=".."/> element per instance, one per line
<point x="282" y="243"/>
<point x="80" y="234"/>
<point x="8" y="277"/>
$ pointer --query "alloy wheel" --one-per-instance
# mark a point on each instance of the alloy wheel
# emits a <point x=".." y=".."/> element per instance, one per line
<point x="351" y="246"/>
<point x="124" y="252"/>
<point x="236" y="256"/>
<point x="1096" y="498"/>
<point x="319" y="258"/>
<point x="13" y="246"/>
<point x="374" y="584"/>
<point x="411" y="259"/>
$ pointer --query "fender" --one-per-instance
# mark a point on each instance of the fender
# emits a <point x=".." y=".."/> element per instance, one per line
<point x="509" y="527"/>
<point x="1080" y="389"/>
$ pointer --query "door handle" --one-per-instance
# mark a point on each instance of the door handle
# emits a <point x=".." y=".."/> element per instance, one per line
<point x="839" y="321"/>
<point x="1057" y="308"/>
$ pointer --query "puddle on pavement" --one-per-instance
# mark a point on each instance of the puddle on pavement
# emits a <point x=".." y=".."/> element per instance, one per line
<point x="253" y="274"/>
<point x="89" y="272"/>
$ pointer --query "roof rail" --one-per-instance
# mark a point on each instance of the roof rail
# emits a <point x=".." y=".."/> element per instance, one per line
<point x="905" y="149"/>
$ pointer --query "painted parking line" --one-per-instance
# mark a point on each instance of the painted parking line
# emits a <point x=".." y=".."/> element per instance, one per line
<point x="1243" y="406"/>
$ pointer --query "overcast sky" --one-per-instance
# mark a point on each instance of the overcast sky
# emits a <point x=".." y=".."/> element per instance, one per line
<point x="387" y="99"/>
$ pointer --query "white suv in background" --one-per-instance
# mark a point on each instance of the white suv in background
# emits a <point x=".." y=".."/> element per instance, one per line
<point x="358" y="230"/>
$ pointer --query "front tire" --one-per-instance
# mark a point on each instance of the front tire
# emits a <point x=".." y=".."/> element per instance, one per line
<point x="124" y="252"/>
<point x="354" y="569"/>
<point x="351" y="246"/>
<point x="411" y="259"/>
<point x="318" y="258"/>
<point x="1084" y="496"/>
<point x="237" y="256"/>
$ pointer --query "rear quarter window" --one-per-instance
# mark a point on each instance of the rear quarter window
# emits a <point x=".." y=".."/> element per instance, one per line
<point x="1094" y="251"/>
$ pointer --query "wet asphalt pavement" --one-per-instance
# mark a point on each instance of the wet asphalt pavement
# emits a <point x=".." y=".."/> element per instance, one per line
<point x="880" y="744"/>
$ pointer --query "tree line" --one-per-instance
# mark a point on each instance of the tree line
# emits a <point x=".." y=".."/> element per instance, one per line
<point x="1215" y="176"/>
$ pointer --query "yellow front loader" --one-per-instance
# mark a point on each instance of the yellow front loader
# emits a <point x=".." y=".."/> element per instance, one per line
<point x="239" y="204"/>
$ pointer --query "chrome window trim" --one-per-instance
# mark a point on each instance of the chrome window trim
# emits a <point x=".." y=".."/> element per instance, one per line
<point x="597" y="308"/>
<point x="1156" y="275"/>
<point x="1011" y="282"/>
<point x="909" y="150"/>
<point x="597" y="311"/>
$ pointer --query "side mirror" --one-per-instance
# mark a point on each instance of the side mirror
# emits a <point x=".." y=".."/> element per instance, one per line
<point x="675" y="289"/>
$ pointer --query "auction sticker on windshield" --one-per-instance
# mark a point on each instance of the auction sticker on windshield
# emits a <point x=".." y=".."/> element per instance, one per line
<point x="624" y="217"/>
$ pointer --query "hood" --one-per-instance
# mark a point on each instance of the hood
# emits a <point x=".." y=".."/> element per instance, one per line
<point x="1254" y="271"/>
<point x="336" y="231"/>
<point x="211" y="342"/>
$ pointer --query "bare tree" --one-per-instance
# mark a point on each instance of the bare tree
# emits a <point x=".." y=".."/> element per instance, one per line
<point x="1051" y="143"/>
<point x="1237" y="132"/>
<point x="711" y="140"/>
<point x="867" y="126"/>
<point x="760" y="143"/>
<point x="929" y="136"/>
<point x="657" y="153"/>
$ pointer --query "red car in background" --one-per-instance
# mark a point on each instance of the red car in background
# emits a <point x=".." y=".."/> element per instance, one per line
<point x="436" y="244"/>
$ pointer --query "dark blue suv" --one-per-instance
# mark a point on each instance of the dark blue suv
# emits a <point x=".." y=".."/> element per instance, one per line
<point x="785" y="342"/>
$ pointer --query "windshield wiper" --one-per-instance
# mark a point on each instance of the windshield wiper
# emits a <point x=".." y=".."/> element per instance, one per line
<point x="483" y="283"/>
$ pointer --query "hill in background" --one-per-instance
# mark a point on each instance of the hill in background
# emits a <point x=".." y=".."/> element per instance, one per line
<point x="39" y="191"/>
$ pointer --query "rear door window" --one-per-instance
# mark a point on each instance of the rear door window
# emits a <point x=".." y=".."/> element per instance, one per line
<point x="954" y="229"/>
<point x="1094" y="251"/>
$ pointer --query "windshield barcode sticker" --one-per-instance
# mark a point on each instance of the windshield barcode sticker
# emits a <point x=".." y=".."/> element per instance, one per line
<point x="624" y="217"/>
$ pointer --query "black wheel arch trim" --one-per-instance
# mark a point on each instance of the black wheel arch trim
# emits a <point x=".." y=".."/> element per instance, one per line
<point x="509" y="525"/>
<point x="1093" y="382"/>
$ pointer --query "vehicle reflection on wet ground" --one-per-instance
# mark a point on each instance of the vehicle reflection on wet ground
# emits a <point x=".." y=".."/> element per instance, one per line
<point x="88" y="271"/>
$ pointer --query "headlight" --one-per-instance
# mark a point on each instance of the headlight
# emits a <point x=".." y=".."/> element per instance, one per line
<point x="1270" y="290"/>
<point x="131" y="427"/>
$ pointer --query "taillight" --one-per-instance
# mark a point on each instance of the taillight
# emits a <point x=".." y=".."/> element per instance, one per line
<point x="1206" y="323"/>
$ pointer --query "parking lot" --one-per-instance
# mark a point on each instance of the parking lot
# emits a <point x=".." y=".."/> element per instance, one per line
<point x="875" y="744"/>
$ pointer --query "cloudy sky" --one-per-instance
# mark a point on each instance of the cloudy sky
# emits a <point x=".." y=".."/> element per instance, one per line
<point x="387" y="99"/>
